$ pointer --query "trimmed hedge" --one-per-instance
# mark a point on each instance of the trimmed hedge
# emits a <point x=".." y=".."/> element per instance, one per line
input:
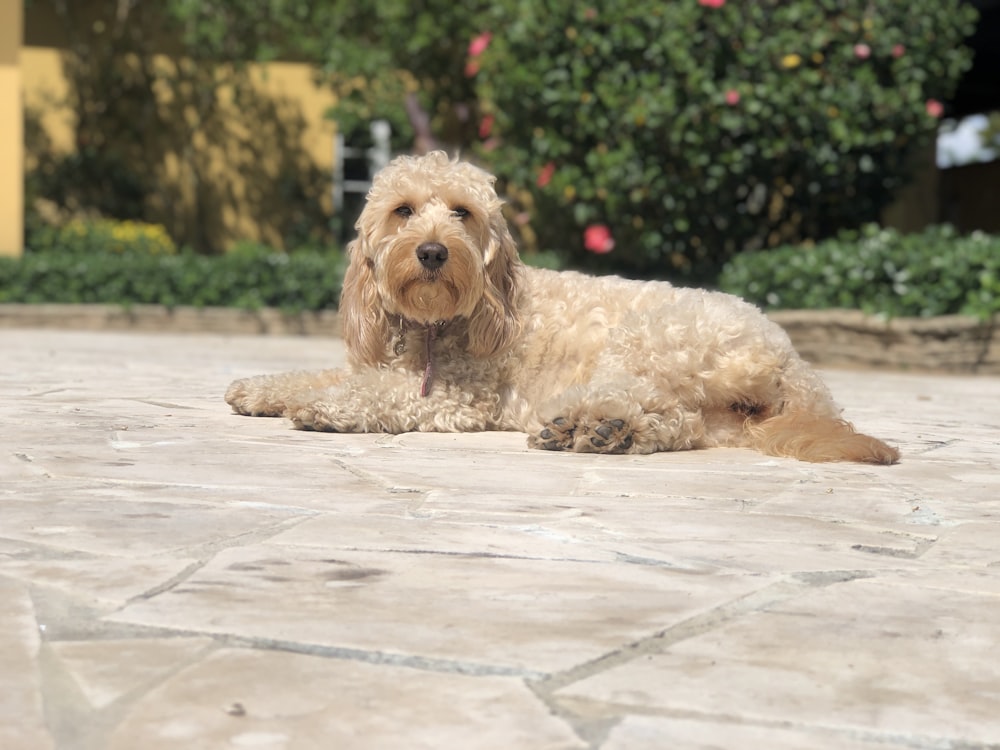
<point x="250" y="277"/>
<point x="107" y="261"/>
<point x="879" y="271"/>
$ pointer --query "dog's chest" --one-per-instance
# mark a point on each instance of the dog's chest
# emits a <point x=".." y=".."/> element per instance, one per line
<point x="437" y="355"/>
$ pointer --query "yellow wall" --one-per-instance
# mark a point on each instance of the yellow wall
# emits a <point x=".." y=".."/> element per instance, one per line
<point x="217" y="182"/>
<point x="45" y="92"/>
<point x="11" y="132"/>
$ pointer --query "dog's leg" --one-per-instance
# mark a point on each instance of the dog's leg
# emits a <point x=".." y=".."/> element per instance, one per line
<point x="267" y="395"/>
<point x="383" y="400"/>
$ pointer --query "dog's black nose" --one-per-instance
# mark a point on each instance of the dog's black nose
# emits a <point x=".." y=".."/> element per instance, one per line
<point x="432" y="255"/>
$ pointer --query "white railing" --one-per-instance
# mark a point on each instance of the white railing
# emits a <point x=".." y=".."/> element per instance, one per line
<point x="376" y="157"/>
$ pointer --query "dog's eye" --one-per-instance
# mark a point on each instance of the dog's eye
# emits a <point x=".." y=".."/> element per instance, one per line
<point x="405" y="211"/>
<point x="460" y="211"/>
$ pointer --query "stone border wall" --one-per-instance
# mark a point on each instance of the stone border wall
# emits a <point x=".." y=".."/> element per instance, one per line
<point x="156" y="318"/>
<point x="849" y="338"/>
<point x="834" y="338"/>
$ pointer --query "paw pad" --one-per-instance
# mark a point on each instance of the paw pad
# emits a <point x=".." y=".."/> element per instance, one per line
<point x="612" y="436"/>
<point x="606" y="436"/>
<point x="557" y="435"/>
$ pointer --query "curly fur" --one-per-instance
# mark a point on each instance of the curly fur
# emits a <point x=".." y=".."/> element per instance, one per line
<point x="478" y="341"/>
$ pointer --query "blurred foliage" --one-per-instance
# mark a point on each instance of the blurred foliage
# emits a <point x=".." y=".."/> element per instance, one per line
<point x="696" y="130"/>
<point x="88" y="236"/>
<point x="545" y="259"/>
<point x="990" y="135"/>
<point x="384" y="59"/>
<point x="153" y="89"/>
<point x="691" y="130"/>
<point x="249" y="277"/>
<point x="880" y="271"/>
<point x="240" y="31"/>
<point x="404" y="62"/>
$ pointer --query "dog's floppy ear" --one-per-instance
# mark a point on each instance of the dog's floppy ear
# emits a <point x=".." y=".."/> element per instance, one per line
<point x="496" y="321"/>
<point x="365" y="323"/>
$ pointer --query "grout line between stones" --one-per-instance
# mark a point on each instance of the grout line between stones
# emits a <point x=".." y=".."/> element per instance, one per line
<point x="423" y="663"/>
<point x="608" y="712"/>
<point x="594" y="732"/>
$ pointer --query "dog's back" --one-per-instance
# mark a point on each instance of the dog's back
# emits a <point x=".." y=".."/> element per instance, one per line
<point x="703" y="351"/>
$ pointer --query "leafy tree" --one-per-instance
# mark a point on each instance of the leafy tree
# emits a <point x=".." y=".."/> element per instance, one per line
<point x="666" y="137"/>
<point x="404" y="62"/>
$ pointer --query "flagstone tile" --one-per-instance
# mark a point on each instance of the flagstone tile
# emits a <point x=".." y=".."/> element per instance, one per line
<point x="897" y="659"/>
<point x="250" y="698"/>
<point x="105" y="671"/>
<point x="527" y="615"/>
<point x="113" y="580"/>
<point x="22" y="720"/>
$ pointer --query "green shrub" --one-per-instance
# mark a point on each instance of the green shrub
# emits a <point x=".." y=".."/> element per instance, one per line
<point x="544" y="259"/>
<point x="88" y="236"/>
<point x="880" y="271"/>
<point x="248" y="278"/>
<point x="695" y="130"/>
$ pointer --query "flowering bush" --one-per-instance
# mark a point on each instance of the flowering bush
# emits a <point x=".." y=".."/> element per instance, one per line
<point x="597" y="239"/>
<point x="696" y="129"/>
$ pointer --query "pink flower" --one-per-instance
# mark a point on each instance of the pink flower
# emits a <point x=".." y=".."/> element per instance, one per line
<point x="597" y="239"/>
<point x="471" y="68"/>
<point x="545" y="175"/>
<point x="934" y="108"/>
<point x="862" y="51"/>
<point x="898" y="50"/>
<point x="479" y="44"/>
<point x="712" y="3"/>
<point x="732" y="97"/>
<point x="486" y="126"/>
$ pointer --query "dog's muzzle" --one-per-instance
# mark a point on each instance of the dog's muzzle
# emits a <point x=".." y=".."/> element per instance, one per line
<point x="432" y="255"/>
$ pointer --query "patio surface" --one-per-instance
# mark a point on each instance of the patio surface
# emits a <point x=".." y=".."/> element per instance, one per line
<point x="175" y="576"/>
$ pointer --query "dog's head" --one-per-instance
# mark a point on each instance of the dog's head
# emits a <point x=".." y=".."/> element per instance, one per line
<point x="432" y="247"/>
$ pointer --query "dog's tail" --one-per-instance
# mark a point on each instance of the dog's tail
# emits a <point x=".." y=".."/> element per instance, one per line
<point x="812" y="437"/>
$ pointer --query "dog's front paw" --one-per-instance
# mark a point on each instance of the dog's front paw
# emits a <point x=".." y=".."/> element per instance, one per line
<point x="251" y="397"/>
<point x="320" y="418"/>
<point x="556" y="435"/>
<point x="603" y="436"/>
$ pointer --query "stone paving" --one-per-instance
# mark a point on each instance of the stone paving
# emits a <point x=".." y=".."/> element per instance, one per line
<point x="175" y="576"/>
